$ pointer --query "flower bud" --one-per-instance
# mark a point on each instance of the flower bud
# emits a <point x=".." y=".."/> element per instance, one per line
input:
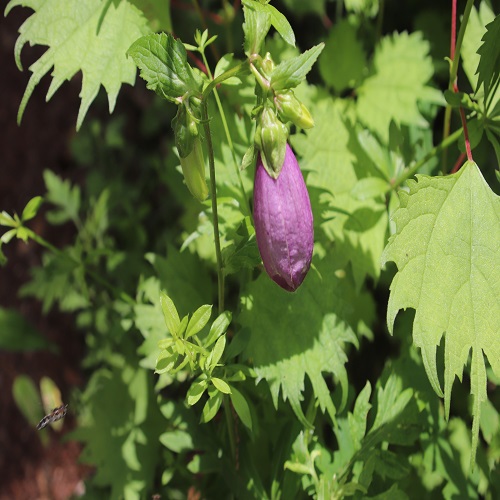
<point x="290" y="108"/>
<point x="183" y="132"/>
<point x="283" y="222"/>
<point x="193" y="168"/>
<point x="270" y="138"/>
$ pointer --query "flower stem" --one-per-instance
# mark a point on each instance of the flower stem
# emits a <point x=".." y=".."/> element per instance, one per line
<point x="213" y="189"/>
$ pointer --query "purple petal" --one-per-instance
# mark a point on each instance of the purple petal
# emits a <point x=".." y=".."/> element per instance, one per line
<point x="283" y="223"/>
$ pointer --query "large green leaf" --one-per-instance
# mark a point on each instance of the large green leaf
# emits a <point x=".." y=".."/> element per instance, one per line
<point x="358" y="227"/>
<point x="299" y="334"/>
<point x="401" y="72"/>
<point x="446" y="250"/>
<point x="91" y="36"/>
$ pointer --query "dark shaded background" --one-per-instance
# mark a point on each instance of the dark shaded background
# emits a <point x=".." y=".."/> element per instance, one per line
<point x="29" y="470"/>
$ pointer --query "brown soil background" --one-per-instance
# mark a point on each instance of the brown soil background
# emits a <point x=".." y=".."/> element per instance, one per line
<point x="29" y="470"/>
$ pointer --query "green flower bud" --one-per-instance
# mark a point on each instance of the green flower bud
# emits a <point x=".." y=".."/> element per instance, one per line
<point x="193" y="168"/>
<point x="184" y="137"/>
<point x="270" y="138"/>
<point x="290" y="108"/>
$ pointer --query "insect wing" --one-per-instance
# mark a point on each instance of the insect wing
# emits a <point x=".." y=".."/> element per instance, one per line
<point x="55" y="415"/>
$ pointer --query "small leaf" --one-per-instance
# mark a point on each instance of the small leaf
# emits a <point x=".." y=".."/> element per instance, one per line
<point x="64" y="196"/>
<point x="256" y="25"/>
<point x="198" y="320"/>
<point x="281" y="24"/>
<point x="290" y="73"/>
<point x="221" y="385"/>
<point x="219" y="326"/>
<point x="211" y="407"/>
<point x="177" y="441"/>
<point x="218" y="351"/>
<point x="170" y="313"/>
<point x="7" y="236"/>
<point x="31" y="208"/>
<point x="7" y="220"/>
<point x="241" y="407"/>
<point x="195" y="392"/>
<point x="162" y="61"/>
<point x="165" y="362"/>
<point x="92" y="37"/>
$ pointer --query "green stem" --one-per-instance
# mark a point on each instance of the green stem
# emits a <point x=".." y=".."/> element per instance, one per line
<point x="215" y="215"/>
<point x="228" y="136"/>
<point x="95" y="276"/>
<point x="234" y="71"/>
<point x="433" y="152"/>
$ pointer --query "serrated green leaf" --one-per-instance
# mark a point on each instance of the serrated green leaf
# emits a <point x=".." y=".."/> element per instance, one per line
<point x="162" y="61"/>
<point x="301" y="334"/>
<point x="241" y="407"/>
<point x="219" y="326"/>
<point x="31" y="208"/>
<point x="488" y="68"/>
<point x="343" y="60"/>
<point x="8" y="235"/>
<point x="474" y="32"/>
<point x="397" y="85"/>
<point x="91" y="37"/>
<point x="288" y="74"/>
<point x="256" y="25"/>
<point x="170" y="314"/>
<point x="357" y="227"/>
<point x="446" y="250"/>
<point x="198" y="320"/>
<point x="221" y="385"/>
<point x="211" y="407"/>
<point x="64" y="196"/>
<point x="358" y="418"/>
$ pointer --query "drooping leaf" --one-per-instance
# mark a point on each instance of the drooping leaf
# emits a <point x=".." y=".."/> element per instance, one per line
<point x="299" y="334"/>
<point x="163" y="64"/>
<point x="91" y="37"/>
<point x="446" y="250"/>
<point x="397" y="84"/>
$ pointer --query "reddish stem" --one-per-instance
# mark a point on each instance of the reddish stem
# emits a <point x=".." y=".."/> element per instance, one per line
<point x="454" y="84"/>
<point x="458" y="163"/>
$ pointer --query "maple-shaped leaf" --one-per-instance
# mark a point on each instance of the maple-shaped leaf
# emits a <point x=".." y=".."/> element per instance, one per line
<point x="91" y="36"/>
<point x="447" y="250"/>
<point x="402" y="69"/>
<point x="303" y="333"/>
<point x="357" y="226"/>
